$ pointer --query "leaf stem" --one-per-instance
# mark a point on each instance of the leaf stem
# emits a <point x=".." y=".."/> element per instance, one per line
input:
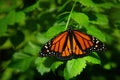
<point x="70" y="15"/>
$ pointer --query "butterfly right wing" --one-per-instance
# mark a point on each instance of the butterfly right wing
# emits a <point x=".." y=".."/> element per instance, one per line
<point x="86" y="43"/>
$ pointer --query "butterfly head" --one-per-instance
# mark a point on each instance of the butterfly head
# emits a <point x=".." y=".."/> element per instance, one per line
<point x="70" y="30"/>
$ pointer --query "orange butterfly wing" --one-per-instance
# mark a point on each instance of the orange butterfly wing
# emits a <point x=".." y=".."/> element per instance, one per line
<point x="55" y="47"/>
<point x="71" y="43"/>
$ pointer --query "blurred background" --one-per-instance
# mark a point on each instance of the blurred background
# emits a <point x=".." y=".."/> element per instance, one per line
<point x="26" y="25"/>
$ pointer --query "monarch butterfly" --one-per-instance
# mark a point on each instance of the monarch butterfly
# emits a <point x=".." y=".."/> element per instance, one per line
<point x="71" y="44"/>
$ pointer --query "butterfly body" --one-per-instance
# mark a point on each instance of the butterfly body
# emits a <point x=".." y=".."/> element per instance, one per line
<point x="71" y="44"/>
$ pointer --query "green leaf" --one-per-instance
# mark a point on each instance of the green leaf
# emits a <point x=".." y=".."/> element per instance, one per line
<point x="92" y="59"/>
<point x="41" y="38"/>
<point x="6" y="75"/>
<point x="20" y="17"/>
<point x="40" y="65"/>
<point x="55" y="65"/>
<point x="53" y="31"/>
<point x="31" y="48"/>
<point x="10" y="18"/>
<point x="74" y="67"/>
<point x="15" y="17"/>
<point x="20" y="55"/>
<point x="110" y="65"/>
<point x="101" y="20"/>
<point x="88" y="3"/>
<point x="80" y="18"/>
<point x="6" y="7"/>
<point x="96" y="33"/>
<point x="56" y="29"/>
<point x="106" y="5"/>
<point x="21" y="61"/>
<point x="3" y="27"/>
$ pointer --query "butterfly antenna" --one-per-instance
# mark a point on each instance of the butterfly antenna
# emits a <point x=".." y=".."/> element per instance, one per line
<point x="70" y="15"/>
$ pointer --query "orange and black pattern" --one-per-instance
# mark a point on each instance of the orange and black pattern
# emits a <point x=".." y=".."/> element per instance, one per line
<point x="71" y="44"/>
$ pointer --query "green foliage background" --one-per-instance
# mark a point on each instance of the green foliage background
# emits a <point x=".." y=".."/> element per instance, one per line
<point x="26" y="25"/>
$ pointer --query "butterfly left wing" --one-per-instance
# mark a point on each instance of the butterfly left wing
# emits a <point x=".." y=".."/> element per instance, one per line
<point x="57" y="46"/>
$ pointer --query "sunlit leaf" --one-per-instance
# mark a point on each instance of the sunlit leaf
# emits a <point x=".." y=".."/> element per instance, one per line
<point x="96" y="33"/>
<point x="92" y="59"/>
<point x="20" y="17"/>
<point x="15" y="17"/>
<point x="55" y="65"/>
<point x="80" y="18"/>
<point x="74" y="67"/>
